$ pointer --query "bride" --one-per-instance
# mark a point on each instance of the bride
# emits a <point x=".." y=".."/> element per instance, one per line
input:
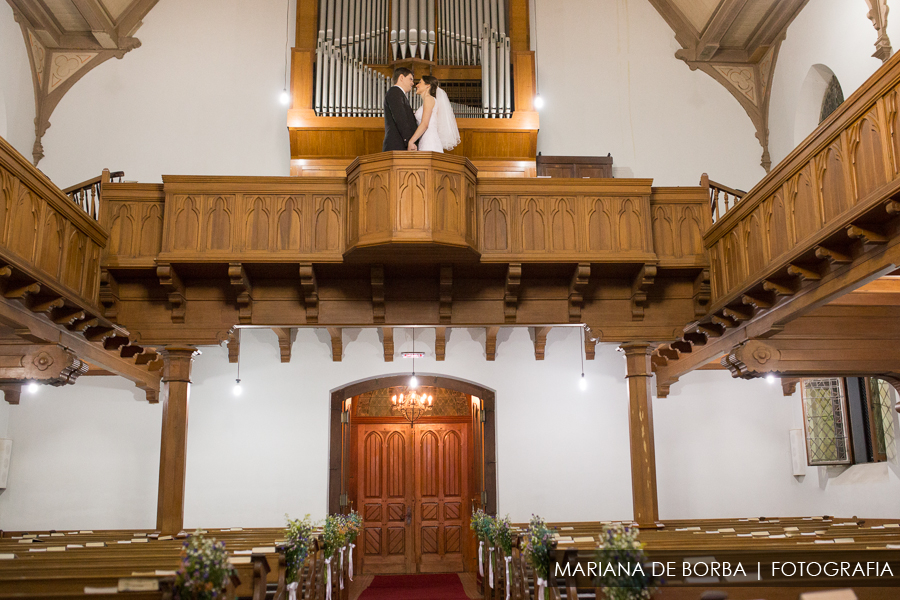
<point x="437" y="126"/>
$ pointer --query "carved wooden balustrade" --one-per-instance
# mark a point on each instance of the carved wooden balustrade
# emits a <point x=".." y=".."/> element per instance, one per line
<point x="87" y="193"/>
<point x="328" y="251"/>
<point x="49" y="288"/>
<point x="822" y="222"/>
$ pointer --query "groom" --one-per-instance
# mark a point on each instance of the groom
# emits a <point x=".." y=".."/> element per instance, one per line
<point x="399" y="120"/>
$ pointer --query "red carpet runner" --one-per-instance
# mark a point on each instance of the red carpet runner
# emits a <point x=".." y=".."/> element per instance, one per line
<point x="438" y="586"/>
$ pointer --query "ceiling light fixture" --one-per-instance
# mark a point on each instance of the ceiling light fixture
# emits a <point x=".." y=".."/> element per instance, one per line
<point x="237" y="382"/>
<point x="582" y="383"/>
<point x="285" y="97"/>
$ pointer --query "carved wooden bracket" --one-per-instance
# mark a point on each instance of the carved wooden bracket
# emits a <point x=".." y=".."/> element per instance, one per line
<point x="337" y="343"/>
<point x="446" y="291"/>
<point x="60" y="56"/>
<point x="377" y="276"/>
<point x="878" y="14"/>
<point x="12" y="392"/>
<point x="540" y="341"/>
<point x="664" y="387"/>
<point x="310" y="292"/>
<point x="789" y="385"/>
<point x="589" y="348"/>
<point x="639" y="287"/>
<point x="234" y="345"/>
<point x="702" y="293"/>
<point x="388" y="337"/>
<point x="172" y="284"/>
<point x="109" y="295"/>
<point x="286" y="337"/>
<point x="579" y="282"/>
<point x="440" y="342"/>
<point x="244" y="289"/>
<point x="511" y="293"/>
<point x="49" y="364"/>
<point x="490" y="344"/>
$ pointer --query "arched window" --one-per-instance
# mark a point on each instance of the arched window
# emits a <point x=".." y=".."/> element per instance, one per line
<point x="819" y="96"/>
<point x="834" y="96"/>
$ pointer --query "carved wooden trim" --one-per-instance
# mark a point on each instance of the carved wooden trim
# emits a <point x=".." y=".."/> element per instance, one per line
<point x="244" y="289"/>
<point x="440" y="342"/>
<point x="109" y="295"/>
<point x="702" y="293"/>
<point x="577" y="285"/>
<point x="590" y="347"/>
<point x="310" y="292"/>
<point x="337" y="343"/>
<point x="641" y="284"/>
<point x="234" y="345"/>
<point x="490" y="344"/>
<point x="878" y="14"/>
<point x="172" y="284"/>
<point x="286" y="337"/>
<point x="12" y="392"/>
<point x="377" y="278"/>
<point x="511" y="294"/>
<point x="446" y="295"/>
<point x="388" y="341"/>
<point x="540" y="341"/>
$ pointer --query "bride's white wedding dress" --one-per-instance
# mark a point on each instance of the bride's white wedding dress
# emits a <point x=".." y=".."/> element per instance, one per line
<point x="430" y="140"/>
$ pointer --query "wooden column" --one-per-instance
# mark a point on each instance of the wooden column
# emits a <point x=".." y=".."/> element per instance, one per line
<point x="640" y="423"/>
<point x="173" y="448"/>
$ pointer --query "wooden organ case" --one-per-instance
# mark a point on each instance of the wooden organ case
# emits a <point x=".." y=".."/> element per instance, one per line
<point x="346" y="51"/>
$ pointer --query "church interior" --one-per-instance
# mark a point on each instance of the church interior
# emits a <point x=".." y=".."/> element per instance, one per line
<point x="246" y="353"/>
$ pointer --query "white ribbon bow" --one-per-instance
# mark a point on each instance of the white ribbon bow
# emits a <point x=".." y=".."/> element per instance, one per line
<point x="491" y="567"/>
<point x="350" y="553"/>
<point x="480" y="559"/>
<point x="541" y="584"/>
<point x="341" y="575"/>
<point x="292" y="590"/>
<point x="508" y="558"/>
<point x="327" y="579"/>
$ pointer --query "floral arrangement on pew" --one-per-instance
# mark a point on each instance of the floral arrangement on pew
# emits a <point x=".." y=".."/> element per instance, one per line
<point x="538" y="540"/>
<point x="634" y="579"/>
<point x="335" y="538"/>
<point x="298" y="536"/>
<point x="502" y="537"/>
<point x="480" y="523"/>
<point x="354" y="523"/>
<point x="204" y="570"/>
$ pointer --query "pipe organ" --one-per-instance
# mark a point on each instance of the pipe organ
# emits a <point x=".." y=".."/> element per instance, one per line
<point x="359" y="41"/>
<point x="346" y="51"/>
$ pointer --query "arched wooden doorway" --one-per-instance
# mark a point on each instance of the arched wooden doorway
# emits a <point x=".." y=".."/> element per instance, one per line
<point x="415" y="487"/>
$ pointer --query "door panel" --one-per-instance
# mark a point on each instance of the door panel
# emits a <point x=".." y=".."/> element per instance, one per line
<point x="385" y="498"/>
<point x="441" y="481"/>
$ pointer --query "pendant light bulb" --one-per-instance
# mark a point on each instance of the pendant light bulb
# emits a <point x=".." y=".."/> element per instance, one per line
<point x="538" y="102"/>
<point x="285" y="97"/>
<point x="413" y="382"/>
<point x="237" y="387"/>
<point x="770" y="378"/>
<point x="33" y="387"/>
<point x="582" y="383"/>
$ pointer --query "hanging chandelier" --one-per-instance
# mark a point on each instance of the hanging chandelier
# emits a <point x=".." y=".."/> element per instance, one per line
<point x="411" y="404"/>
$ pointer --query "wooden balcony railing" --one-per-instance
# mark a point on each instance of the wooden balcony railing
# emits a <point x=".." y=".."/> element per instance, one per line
<point x="87" y="193"/>
<point x="824" y="202"/>
<point x="721" y="197"/>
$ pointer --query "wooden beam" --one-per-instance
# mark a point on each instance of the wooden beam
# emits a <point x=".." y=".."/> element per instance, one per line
<point x="490" y="344"/>
<point x="286" y="337"/>
<point x="511" y="292"/>
<point x="173" y="446"/>
<point x="172" y="284"/>
<point x="639" y="287"/>
<point x="579" y="281"/>
<point x="102" y="28"/>
<point x="309" y="290"/>
<point x="445" y="311"/>
<point x="640" y="423"/>
<point x="866" y="235"/>
<point x="833" y="256"/>
<point x="387" y="335"/>
<point x="109" y="295"/>
<point x="440" y="342"/>
<point x="377" y="278"/>
<point x="234" y="345"/>
<point x="337" y="343"/>
<point x="722" y="20"/>
<point x="244" y="290"/>
<point x="540" y="341"/>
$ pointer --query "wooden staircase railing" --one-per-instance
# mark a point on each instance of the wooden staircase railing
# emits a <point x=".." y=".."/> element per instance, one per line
<point x="721" y="197"/>
<point x="87" y="193"/>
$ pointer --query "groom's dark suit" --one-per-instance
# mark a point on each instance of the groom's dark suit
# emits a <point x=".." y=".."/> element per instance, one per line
<point x="399" y="120"/>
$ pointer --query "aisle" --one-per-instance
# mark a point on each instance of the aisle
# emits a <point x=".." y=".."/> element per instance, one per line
<point x="438" y="586"/>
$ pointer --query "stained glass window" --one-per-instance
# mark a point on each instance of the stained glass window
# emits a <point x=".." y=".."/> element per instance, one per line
<point x="882" y="406"/>
<point x="834" y="96"/>
<point x="825" y="413"/>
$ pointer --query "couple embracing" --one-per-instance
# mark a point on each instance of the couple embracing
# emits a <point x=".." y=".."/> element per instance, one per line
<point x="431" y="129"/>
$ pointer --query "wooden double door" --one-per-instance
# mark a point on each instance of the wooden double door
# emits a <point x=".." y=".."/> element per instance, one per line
<point x="412" y="490"/>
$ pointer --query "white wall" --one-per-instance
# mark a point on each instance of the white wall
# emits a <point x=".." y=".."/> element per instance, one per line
<point x="723" y="450"/>
<point x="199" y="97"/>
<point x="87" y="456"/>
<point x="16" y="91"/>
<point x="834" y="33"/>
<point x="608" y="73"/>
